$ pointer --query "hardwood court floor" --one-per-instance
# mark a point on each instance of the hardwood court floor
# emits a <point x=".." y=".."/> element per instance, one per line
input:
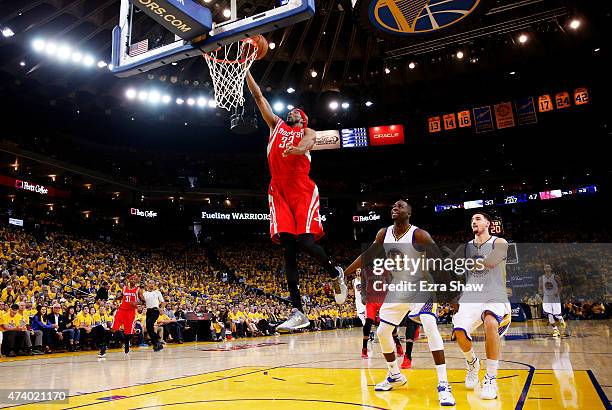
<point x="322" y="370"/>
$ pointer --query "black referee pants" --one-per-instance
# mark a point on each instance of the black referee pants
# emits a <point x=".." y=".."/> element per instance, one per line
<point x="152" y="315"/>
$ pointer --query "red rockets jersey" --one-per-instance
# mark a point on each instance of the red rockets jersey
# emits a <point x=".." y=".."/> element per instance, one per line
<point x="129" y="296"/>
<point x="293" y="165"/>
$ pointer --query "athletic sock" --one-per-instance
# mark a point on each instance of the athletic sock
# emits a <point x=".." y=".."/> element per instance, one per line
<point x="442" y="376"/>
<point x="470" y="357"/>
<point x="397" y="340"/>
<point x="393" y="368"/>
<point x="408" y="352"/>
<point x="365" y="343"/>
<point x="492" y="366"/>
<point x="126" y="346"/>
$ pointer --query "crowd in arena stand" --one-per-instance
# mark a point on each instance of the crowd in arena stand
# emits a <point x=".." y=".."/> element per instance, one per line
<point x="48" y="291"/>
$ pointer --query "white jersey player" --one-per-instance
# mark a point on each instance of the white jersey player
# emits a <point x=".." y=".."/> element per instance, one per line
<point x="487" y="303"/>
<point x="403" y="240"/>
<point x="359" y="306"/>
<point x="550" y="289"/>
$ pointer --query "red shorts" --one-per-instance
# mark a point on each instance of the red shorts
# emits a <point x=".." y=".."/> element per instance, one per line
<point x="372" y="310"/>
<point x="125" y="317"/>
<point x="294" y="207"/>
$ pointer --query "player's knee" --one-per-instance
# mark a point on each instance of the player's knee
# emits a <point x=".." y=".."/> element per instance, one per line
<point x="490" y="322"/>
<point x="385" y="339"/>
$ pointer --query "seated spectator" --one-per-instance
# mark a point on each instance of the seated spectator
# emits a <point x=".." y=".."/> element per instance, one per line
<point x="14" y="332"/>
<point x="42" y="331"/>
<point x="84" y="322"/>
<point x="58" y="321"/>
<point x="74" y="340"/>
<point x="102" y="323"/>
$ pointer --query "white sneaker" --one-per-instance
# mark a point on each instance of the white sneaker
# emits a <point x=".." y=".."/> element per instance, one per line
<point x="489" y="388"/>
<point x="297" y="320"/>
<point x="391" y="381"/>
<point x="445" y="394"/>
<point x="556" y="333"/>
<point x="340" y="289"/>
<point x="471" y="377"/>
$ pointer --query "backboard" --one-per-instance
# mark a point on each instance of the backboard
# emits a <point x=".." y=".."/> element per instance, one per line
<point x="154" y="33"/>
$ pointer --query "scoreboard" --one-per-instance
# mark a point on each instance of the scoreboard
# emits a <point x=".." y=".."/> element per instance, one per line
<point x="354" y="137"/>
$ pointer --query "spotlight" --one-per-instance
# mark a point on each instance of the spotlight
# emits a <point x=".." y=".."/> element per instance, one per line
<point x="369" y="103"/>
<point x="212" y="103"/>
<point x="201" y="102"/>
<point x="333" y="105"/>
<point x="279" y="106"/>
<point x="174" y="63"/>
<point x="22" y="63"/>
<point x="166" y="99"/>
<point x="387" y="71"/>
<point x="142" y="95"/>
<point x="313" y="73"/>
<point x="7" y="32"/>
<point x="459" y="55"/>
<point x="51" y="48"/>
<point x="272" y="46"/>
<point x="290" y="90"/>
<point x="38" y="45"/>
<point x="290" y="107"/>
<point x="154" y="97"/>
<point x="575" y="24"/>
<point x="412" y="65"/>
<point x="88" y="61"/>
<point x="597" y="50"/>
<point x="190" y="101"/>
<point x="227" y="13"/>
<point x="512" y="72"/>
<point x="63" y="52"/>
<point x="102" y="64"/>
<point x="523" y="38"/>
<point x="77" y="57"/>
<point x="345" y="105"/>
<point x="180" y="101"/>
<point x="130" y="94"/>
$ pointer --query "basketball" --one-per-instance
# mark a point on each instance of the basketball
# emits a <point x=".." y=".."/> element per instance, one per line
<point x="262" y="46"/>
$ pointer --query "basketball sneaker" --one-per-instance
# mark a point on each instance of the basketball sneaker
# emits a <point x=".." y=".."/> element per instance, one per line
<point x="489" y="388"/>
<point x="340" y="288"/>
<point x="471" y="377"/>
<point x="364" y="353"/>
<point x="556" y="332"/>
<point x="391" y="381"/>
<point x="406" y="363"/>
<point x="445" y="394"/>
<point x="297" y="320"/>
<point x="400" y="349"/>
<point x="102" y="352"/>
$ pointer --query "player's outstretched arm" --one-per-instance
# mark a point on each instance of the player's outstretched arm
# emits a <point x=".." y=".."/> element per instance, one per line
<point x="304" y="146"/>
<point x="370" y="253"/>
<point x="264" y="106"/>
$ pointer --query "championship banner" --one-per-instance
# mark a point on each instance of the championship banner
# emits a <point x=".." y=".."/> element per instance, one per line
<point x="465" y="119"/>
<point x="329" y="139"/>
<point x="483" y="119"/>
<point x="581" y="96"/>
<point x="504" y="116"/>
<point x="450" y="122"/>
<point x="563" y="100"/>
<point x="433" y="124"/>
<point x="525" y="111"/>
<point x="545" y="103"/>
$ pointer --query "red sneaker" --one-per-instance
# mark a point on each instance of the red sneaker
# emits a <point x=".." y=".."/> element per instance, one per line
<point x="400" y="350"/>
<point x="364" y="353"/>
<point x="406" y="363"/>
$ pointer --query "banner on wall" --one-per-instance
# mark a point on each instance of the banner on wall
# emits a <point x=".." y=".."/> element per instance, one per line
<point x="329" y="139"/>
<point x="483" y="119"/>
<point x="504" y="117"/>
<point x="450" y="121"/>
<point x="525" y="111"/>
<point x="433" y="124"/>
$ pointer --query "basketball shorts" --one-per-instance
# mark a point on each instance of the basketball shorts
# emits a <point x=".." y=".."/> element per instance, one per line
<point x="372" y="310"/>
<point x="294" y="207"/>
<point x="394" y="313"/>
<point x="125" y="318"/>
<point x="471" y="315"/>
<point x="551" y="309"/>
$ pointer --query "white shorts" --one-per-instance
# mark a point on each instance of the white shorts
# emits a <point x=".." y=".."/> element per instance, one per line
<point x="551" y="308"/>
<point x="471" y="315"/>
<point x="394" y="313"/>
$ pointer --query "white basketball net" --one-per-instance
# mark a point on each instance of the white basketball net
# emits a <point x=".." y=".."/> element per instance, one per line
<point x="228" y="66"/>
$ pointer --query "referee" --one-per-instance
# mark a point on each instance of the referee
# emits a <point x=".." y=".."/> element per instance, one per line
<point x="153" y="298"/>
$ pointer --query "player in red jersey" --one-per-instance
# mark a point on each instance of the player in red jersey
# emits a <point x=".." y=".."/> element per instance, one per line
<point x="293" y="199"/>
<point x="126" y="314"/>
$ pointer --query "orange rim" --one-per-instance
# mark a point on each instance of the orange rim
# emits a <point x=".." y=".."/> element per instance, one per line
<point x="252" y="56"/>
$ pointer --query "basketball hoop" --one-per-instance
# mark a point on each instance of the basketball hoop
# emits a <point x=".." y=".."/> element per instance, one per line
<point x="228" y="65"/>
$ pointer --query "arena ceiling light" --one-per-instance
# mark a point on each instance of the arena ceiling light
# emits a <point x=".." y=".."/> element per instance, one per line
<point x="523" y="38"/>
<point x="130" y="94"/>
<point x="227" y="13"/>
<point x="50" y="48"/>
<point x="143" y="95"/>
<point x="102" y="64"/>
<point x="313" y="73"/>
<point x="201" y="102"/>
<point x="38" y="45"/>
<point x="77" y="57"/>
<point x="166" y="99"/>
<point x="412" y="65"/>
<point x="154" y="97"/>
<point x="22" y="63"/>
<point x="387" y="70"/>
<point x="345" y="105"/>
<point x="64" y="52"/>
<point x="212" y="103"/>
<point x="333" y="105"/>
<point x="191" y="101"/>
<point x="369" y="103"/>
<point x="272" y="46"/>
<point x="278" y="106"/>
<point x="88" y="61"/>
<point x="290" y="90"/>
<point x="7" y="32"/>
<point x="459" y="55"/>
<point x="290" y="107"/>
<point x="180" y="101"/>
<point x="574" y="24"/>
